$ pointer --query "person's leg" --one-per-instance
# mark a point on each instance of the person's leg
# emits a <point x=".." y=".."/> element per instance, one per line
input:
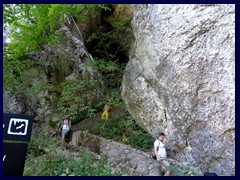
<point x="165" y="164"/>
<point x="64" y="132"/>
<point x="107" y="115"/>
<point x="103" y="115"/>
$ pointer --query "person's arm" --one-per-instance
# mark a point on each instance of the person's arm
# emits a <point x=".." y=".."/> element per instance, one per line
<point x="70" y="123"/>
<point x="156" y="152"/>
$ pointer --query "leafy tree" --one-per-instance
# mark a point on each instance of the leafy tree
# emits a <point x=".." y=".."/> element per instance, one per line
<point x="32" y="26"/>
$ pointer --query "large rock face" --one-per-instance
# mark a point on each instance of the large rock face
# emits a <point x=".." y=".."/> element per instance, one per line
<point x="181" y="81"/>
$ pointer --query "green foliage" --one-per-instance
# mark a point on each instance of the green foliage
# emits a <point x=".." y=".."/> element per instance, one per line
<point x="176" y="171"/>
<point x="38" y="87"/>
<point x="17" y="75"/>
<point x="112" y="71"/>
<point x="78" y="99"/>
<point x="31" y="27"/>
<point x="106" y="66"/>
<point x="37" y="145"/>
<point x="87" y="112"/>
<point x="54" y="163"/>
<point x="98" y="106"/>
<point x="124" y="130"/>
<point x="52" y="123"/>
<point x="114" y="99"/>
<point x="140" y="140"/>
<point x="108" y="41"/>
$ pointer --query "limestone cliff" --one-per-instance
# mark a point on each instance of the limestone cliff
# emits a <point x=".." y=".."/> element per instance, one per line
<point x="181" y="81"/>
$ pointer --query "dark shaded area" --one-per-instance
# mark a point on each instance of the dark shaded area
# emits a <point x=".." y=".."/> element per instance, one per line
<point x="210" y="174"/>
<point x="107" y="12"/>
<point x="99" y="51"/>
<point x="68" y="137"/>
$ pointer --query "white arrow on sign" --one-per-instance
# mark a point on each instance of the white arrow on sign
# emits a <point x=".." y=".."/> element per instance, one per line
<point x="18" y="126"/>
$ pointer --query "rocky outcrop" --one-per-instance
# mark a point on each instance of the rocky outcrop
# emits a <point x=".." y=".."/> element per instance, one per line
<point x="10" y="104"/>
<point x="123" y="158"/>
<point x="83" y="27"/>
<point x="120" y="157"/>
<point x="181" y="81"/>
<point x="64" y="60"/>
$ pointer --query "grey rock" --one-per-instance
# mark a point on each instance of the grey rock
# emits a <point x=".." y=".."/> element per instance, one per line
<point x="10" y="105"/>
<point x="119" y="156"/>
<point x="180" y="80"/>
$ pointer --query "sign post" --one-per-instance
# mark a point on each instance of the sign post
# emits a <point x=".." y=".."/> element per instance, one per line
<point x="17" y="129"/>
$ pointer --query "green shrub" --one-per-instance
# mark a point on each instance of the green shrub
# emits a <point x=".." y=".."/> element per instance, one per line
<point x="114" y="98"/>
<point x="141" y="140"/>
<point x="52" y="123"/>
<point x="53" y="163"/>
<point x="37" y="145"/>
<point x="76" y="99"/>
<point x="97" y="106"/>
<point x="177" y="171"/>
<point x="124" y="130"/>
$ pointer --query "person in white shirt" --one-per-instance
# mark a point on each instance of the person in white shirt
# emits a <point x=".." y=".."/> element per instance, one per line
<point x="66" y="125"/>
<point x="161" y="153"/>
